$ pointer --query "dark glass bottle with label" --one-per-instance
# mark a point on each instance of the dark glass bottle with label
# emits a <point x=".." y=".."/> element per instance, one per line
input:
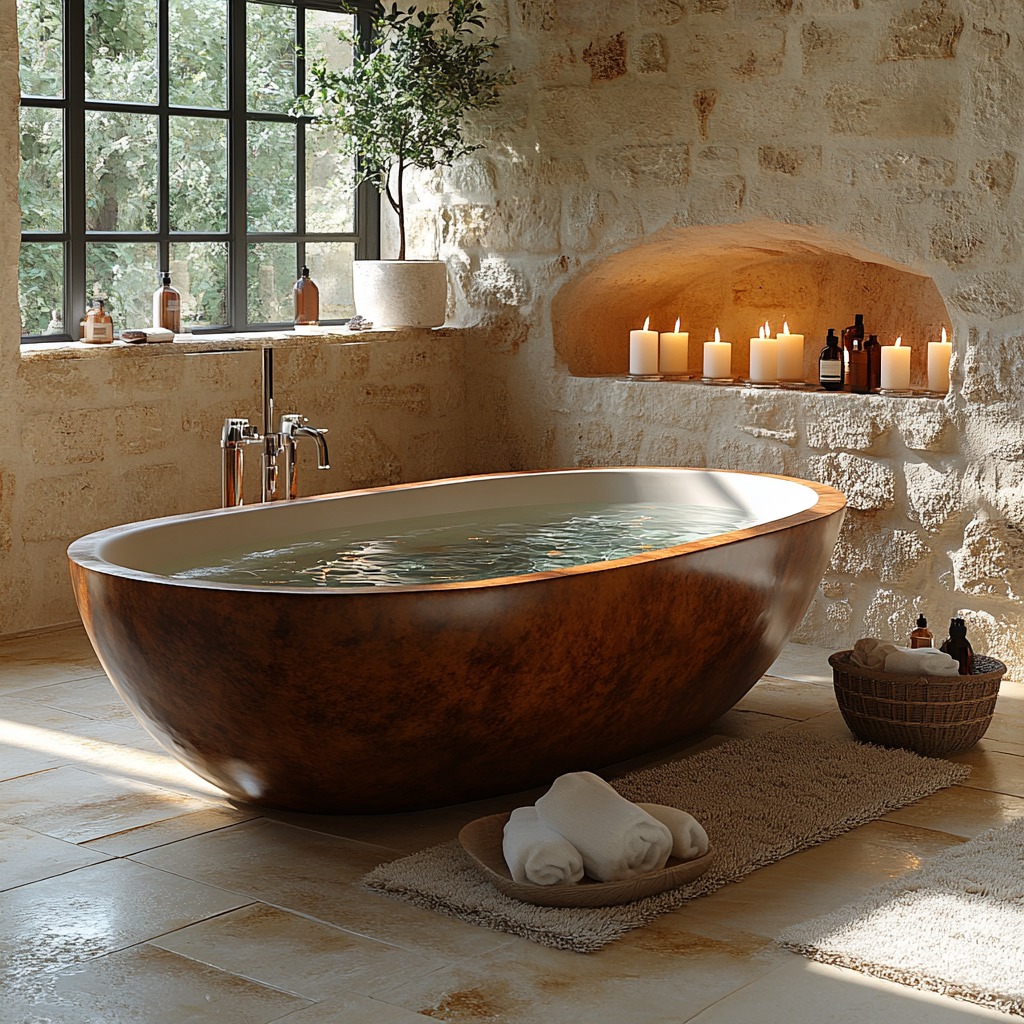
<point x="857" y="369"/>
<point x="167" y="305"/>
<point x="307" y="300"/>
<point x="854" y="333"/>
<point x="874" y="354"/>
<point x="831" y="374"/>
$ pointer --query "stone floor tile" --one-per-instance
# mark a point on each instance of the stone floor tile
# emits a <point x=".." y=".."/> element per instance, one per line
<point x="144" y="985"/>
<point x="27" y="856"/>
<point x="357" y="1009"/>
<point x="69" y="919"/>
<point x="295" y="954"/>
<point x="51" y="657"/>
<point x="91" y="697"/>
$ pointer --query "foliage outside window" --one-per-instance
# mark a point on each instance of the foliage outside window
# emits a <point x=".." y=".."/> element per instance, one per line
<point x="159" y="134"/>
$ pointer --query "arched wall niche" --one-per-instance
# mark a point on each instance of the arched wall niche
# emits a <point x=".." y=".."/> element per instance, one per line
<point x="735" y="277"/>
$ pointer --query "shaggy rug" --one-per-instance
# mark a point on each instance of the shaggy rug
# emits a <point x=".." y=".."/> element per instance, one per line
<point x="760" y="799"/>
<point x="955" y="926"/>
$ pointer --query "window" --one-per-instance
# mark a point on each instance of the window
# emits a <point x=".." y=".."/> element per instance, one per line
<point x="156" y="134"/>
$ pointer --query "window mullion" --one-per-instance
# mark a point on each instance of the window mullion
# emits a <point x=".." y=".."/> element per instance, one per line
<point x="163" y="220"/>
<point x="237" y="169"/>
<point x="74" y="166"/>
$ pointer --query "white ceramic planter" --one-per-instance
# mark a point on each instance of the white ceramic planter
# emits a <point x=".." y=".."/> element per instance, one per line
<point x="401" y="293"/>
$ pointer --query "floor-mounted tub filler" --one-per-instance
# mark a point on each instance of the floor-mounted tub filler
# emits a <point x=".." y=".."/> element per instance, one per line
<point x="430" y="643"/>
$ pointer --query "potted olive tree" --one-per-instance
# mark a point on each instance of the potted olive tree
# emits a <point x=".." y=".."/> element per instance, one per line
<point x="402" y="103"/>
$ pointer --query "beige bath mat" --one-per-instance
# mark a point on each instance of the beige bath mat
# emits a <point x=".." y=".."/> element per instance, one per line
<point x="760" y="799"/>
<point x="956" y="926"/>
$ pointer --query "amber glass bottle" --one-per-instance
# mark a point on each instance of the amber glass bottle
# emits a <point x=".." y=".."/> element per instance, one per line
<point x="99" y="325"/>
<point x="874" y="353"/>
<point x="307" y="300"/>
<point x="167" y="305"/>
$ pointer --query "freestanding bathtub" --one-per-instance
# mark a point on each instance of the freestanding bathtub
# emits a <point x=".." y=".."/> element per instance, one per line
<point x="347" y="701"/>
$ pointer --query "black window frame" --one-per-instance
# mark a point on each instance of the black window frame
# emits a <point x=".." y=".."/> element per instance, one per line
<point x="365" y="237"/>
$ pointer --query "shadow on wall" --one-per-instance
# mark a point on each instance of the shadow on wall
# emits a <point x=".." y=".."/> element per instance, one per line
<point x="735" y="277"/>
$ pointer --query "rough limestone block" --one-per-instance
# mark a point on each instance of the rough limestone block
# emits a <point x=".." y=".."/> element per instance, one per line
<point x="69" y="437"/>
<point x="497" y="282"/>
<point x="925" y="426"/>
<point x="933" y="495"/>
<point x="930" y="31"/>
<point x="826" y="623"/>
<point x="141" y="429"/>
<point x="989" y="295"/>
<point x="651" y="54"/>
<point x="867" y="483"/>
<point x="992" y="376"/>
<point x="606" y="58"/>
<point x="890" y="617"/>
<point x="527" y="223"/>
<point x="644" y="167"/>
<point x="957" y="234"/>
<point x="929" y="106"/>
<point x="991" y="560"/>
<point x="996" y="175"/>
<point x="598" y="219"/>
<point x="841" y="422"/>
<point x="995" y="87"/>
<point x="537" y="15"/>
<point x="407" y="398"/>
<point x="795" y="161"/>
<point x="370" y="462"/>
<point x="891" y="556"/>
<point x="661" y="12"/>
<point x="757" y="9"/>
<point x="6" y="512"/>
<point x="824" y="45"/>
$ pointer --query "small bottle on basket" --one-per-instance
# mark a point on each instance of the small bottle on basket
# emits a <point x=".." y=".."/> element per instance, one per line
<point x="956" y="645"/>
<point x="922" y="636"/>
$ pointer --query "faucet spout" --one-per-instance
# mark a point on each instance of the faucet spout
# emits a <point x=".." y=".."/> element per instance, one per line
<point x="317" y="433"/>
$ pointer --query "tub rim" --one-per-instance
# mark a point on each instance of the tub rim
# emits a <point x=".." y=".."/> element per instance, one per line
<point x="84" y="551"/>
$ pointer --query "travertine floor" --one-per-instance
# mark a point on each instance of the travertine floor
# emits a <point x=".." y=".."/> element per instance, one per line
<point x="131" y="891"/>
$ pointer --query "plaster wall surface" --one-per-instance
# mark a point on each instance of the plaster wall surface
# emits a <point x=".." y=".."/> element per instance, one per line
<point x="888" y="134"/>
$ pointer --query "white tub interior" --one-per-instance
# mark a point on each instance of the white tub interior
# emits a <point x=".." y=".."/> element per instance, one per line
<point x="144" y="547"/>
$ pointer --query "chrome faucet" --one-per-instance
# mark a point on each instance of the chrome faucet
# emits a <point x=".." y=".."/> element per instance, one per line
<point x="277" y="445"/>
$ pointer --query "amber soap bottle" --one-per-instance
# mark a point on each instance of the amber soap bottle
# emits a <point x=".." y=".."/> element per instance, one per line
<point x="307" y="300"/>
<point x="167" y="305"/>
<point x="922" y="635"/>
<point x="831" y="375"/>
<point x="99" y="325"/>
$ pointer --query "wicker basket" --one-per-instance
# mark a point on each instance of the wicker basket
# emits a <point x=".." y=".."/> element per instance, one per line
<point x="932" y="715"/>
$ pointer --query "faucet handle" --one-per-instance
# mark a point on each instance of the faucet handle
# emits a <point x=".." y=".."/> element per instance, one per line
<point x="238" y="430"/>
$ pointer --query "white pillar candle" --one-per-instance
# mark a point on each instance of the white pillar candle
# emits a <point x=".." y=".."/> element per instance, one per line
<point x="643" y="351"/>
<point x="674" y="351"/>
<point x="939" y="354"/>
<point x="791" y="354"/>
<point x="895" y="367"/>
<point x="764" y="359"/>
<point x="717" y="358"/>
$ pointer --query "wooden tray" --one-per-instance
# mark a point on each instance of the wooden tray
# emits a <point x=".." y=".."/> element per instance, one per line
<point x="482" y="840"/>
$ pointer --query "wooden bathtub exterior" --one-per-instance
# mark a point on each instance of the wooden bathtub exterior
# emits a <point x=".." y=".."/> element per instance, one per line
<point x="382" y="701"/>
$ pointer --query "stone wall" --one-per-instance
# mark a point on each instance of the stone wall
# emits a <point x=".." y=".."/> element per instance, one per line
<point x="893" y="127"/>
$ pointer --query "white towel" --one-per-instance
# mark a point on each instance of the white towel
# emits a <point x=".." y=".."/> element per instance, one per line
<point x="538" y="854"/>
<point x="689" y="840"/>
<point x="871" y="653"/>
<point x="616" y="838"/>
<point x="921" y="661"/>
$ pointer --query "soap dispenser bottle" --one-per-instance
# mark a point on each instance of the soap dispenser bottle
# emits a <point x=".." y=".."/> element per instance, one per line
<point x="831" y="374"/>
<point x="922" y="635"/>
<point x="307" y="300"/>
<point x="957" y="646"/>
<point x="98" y="328"/>
<point x="167" y="305"/>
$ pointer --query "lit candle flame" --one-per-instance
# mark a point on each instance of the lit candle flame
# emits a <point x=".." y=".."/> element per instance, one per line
<point x="785" y="327"/>
<point x="943" y="335"/>
<point x="677" y="325"/>
<point x="767" y="330"/>
<point x="718" y="336"/>
<point x="647" y="323"/>
<point x="898" y="340"/>
<point x="760" y="332"/>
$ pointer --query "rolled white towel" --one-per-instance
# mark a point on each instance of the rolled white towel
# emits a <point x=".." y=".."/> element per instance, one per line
<point x="871" y="653"/>
<point x="689" y="840"/>
<point x="921" y="661"/>
<point x="538" y="854"/>
<point x="616" y="838"/>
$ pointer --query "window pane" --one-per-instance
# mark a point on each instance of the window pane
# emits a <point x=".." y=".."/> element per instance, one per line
<point x="41" y="287"/>
<point x="199" y="271"/>
<point x="120" y="50"/>
<point x="120" y="171"/>
<point x="198" y="54"/>
<point x="330" y="266"/>
<point x="271" y="176"/>
<point x="270" y="58"/>
<point x="322" y="40"/>
<point x="198" y="174"/>
<point x="124" y="275"/>
<point x="41" y="182"/>
<point x="270" y="278"/>
<point x="330" y="184"/>
<point x="41" y="42"/>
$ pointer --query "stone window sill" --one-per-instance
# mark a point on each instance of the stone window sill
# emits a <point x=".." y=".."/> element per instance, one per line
<point x="739" y="384"/>
<point x="214" y="343"/>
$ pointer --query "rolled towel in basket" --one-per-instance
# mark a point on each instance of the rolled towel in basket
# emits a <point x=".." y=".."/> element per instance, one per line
<point x="871" y="653"/>
<point x="921" y="661"/>
<point x="538" y="854"/>
<point x="689" y="840"/>
<point x="616" y="838"/>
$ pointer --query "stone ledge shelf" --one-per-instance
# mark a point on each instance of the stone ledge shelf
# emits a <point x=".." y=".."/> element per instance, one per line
<point x="214" y="343"/>
<point x="735" y="277"/>
<point x="769" y="388"/>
